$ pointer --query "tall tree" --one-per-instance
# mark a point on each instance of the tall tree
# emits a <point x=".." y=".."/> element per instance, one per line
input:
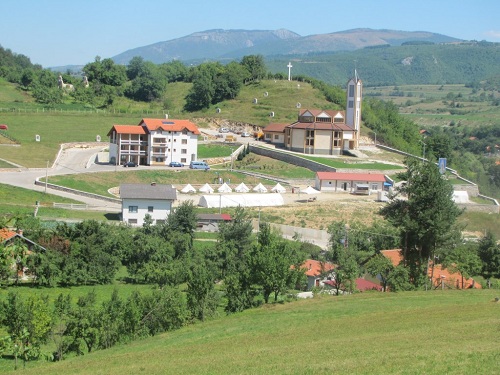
<point x="255" y="66"/>
<point x="424" y="212"/>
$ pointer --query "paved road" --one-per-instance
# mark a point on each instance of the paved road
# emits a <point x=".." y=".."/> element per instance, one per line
<point x="70" y="161"/>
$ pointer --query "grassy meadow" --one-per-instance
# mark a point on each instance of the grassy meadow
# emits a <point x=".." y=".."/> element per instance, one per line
<point x="431" y="105"/>
<point x="438" y="332"/>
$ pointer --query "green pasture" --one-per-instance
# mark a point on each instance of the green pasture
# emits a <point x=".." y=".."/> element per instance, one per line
<point x="436" y="332"/>
<point x="440" y="105"/>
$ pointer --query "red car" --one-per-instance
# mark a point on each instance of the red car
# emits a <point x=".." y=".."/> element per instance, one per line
<point x="4" y="127"/>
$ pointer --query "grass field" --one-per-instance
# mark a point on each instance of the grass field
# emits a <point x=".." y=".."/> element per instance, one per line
<point x="438" y="332"/>
<point x="441" y="105"/>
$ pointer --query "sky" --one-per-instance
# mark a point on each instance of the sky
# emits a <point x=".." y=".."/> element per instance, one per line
<point x="73" y="32"/>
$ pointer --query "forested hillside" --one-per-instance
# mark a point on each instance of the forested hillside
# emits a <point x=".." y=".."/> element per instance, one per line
<point x="408" y="64"/>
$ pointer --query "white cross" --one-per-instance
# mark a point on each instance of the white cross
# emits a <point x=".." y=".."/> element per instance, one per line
<point x="289" y="66"/>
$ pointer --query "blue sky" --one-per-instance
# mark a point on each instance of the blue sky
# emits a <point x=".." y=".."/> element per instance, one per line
<point x="65" y="32"/>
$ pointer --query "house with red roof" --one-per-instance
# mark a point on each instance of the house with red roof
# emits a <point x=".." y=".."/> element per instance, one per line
<point x="317" y="272"/>
<point x="154" y="142"/>
<point x="320" y="131"/>
<point x="10" y="238"/>
<point x="439" y="275"/>
<point x="350" y="182"/>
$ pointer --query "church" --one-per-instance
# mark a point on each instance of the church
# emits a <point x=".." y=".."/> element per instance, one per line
<point x="322" y="132"/>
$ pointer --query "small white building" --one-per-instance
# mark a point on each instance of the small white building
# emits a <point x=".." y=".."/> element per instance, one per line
<point x="138" y="200"/>
<point x="154" y="142"/>
<point x="349" y="182"/>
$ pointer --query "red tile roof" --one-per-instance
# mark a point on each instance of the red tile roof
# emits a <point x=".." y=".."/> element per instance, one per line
<point x="275" y="127"/>
<point x="169" y="125"/>
<point x="320" y="126"/>
<point x="6" y="234"/>
<point x="436" y="271"/>
<point x="365" y="177"/>
<point x="316" y="268"/>
<point x="127" y="129"/>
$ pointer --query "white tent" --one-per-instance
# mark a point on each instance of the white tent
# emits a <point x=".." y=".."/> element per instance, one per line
<point x="243" y="200"/>
<point x="188" y="189"/>
<point x="224" y="188"/>
<point x="242" y="188"/>
<point x="206" y="189"/>
<point x="278" y="189"/>
<point x="260" y="188"/>
<point x="310" y="190"/>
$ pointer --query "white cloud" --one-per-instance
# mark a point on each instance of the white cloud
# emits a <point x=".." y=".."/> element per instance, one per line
<point x="492" y="34"/>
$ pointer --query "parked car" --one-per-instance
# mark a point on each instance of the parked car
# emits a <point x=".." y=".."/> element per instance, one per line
<point x="199" y="165"/>
<point x="223" y="130"/>
<point x="129" y="164"/>
<point x="4" y="127"/>
<point x="246" y="134"/>
<point x="176" y="164"/>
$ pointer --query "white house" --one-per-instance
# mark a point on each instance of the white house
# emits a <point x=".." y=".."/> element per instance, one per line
<point x="138" y="200"/>
<point x="349" y="182"/>
<point x="154" y="142"/>
<point x="317" y="272"/>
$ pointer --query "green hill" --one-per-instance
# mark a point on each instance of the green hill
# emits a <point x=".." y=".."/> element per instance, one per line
<point x="397" y="65"/>
<point x="438" y="332"/>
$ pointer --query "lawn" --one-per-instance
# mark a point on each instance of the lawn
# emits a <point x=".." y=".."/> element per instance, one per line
<point x="438" y="332"/>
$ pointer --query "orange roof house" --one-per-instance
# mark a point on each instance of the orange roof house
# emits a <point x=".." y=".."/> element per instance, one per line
<point x="441" y="277"/>
<point x="154" y="142"/>
<point x="317" y="272"/>
<point x="350" y="182"/>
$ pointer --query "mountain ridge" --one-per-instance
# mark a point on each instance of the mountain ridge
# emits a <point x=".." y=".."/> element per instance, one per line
<point x="222" y="44"/>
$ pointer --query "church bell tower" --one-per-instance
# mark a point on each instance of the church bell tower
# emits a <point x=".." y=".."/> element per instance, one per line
<point x="353" y="107"/>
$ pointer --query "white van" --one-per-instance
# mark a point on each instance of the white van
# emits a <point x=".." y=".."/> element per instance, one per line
<point x="199" y="165"/>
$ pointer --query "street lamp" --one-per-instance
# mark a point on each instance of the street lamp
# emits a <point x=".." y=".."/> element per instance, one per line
<point x="231" y="159"/>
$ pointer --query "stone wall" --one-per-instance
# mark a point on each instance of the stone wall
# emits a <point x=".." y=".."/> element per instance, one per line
<point x="472" y="190"/>
<point x="488" y="208"/>
<point x="291" y="159"/>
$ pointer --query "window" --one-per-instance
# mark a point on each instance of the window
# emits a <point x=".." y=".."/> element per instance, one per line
<point x="310" y="133"/>
<point x="276" y="136"/>
<point x="133" y="209"/>
<point x="351" y="104"/>
<point x="323" y="119"/>
<point x="150" y="208"/>
<point x="184" y="141"/>
<point x="338" y="120"/>
<point x="132" y="221"/>
<point x="351" y="90"/>
<point x="336" y="143"/>
<point x="268" y="136"/>
<point x="183" y="160"/>
<point x="374" y="187"/>
<point x="184" y="151"/>
<point x="309" y="142"/>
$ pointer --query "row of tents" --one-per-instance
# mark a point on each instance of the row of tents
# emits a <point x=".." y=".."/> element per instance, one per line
<point x="225" y="188"/>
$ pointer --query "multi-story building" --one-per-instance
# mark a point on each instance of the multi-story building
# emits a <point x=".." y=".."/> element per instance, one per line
<point x="154" y="142"/>
<point x="322" y="132"/>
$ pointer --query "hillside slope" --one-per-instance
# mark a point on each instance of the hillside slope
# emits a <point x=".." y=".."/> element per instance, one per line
<point x="371" y="333"/>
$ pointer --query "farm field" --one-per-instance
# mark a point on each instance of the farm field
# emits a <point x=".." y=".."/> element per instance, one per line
<point x="441" y="105"/>
<point x="436" y="332"/>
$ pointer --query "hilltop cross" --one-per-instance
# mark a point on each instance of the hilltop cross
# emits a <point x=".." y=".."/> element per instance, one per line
<point x="289" y="66"/>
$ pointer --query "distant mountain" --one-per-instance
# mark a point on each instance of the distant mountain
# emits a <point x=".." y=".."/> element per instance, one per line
<point x="234" y="44"/>
<point x="210" y="44"/>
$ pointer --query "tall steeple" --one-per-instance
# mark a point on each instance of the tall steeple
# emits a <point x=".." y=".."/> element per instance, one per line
<point x="353" y="106"/>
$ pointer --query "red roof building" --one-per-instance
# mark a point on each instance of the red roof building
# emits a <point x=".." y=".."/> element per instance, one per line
<point x="154" y="142"/>
<point x="440" y="276"/>
<point x="350" y="182"/>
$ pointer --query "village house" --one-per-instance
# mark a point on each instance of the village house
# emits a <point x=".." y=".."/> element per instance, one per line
<point x="317" y="272"/>
<point x="360" y="183"/>
<point x="154" y="142"/>
<point x="322" y="132"/>
<point x="440" y="277"/>
<point x="139" y="200"/>
<point x="9" y="238"/>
